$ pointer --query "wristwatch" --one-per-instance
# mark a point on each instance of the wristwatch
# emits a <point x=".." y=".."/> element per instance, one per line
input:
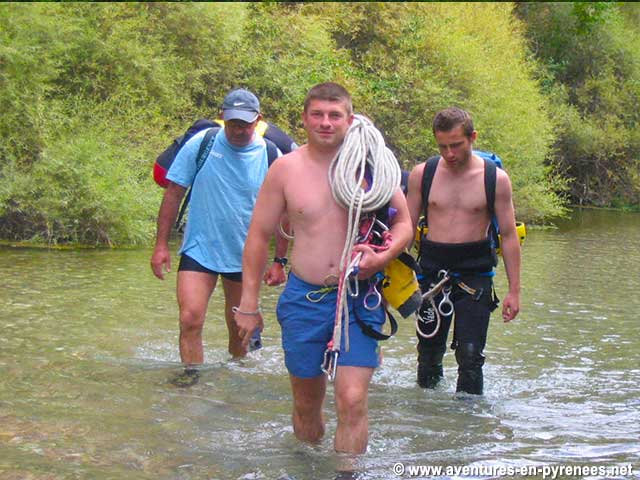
<point x="281" y="260"/>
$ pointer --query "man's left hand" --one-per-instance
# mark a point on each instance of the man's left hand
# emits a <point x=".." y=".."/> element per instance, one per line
<point x="510" y="306"/>
<point x="275" y="275"/>
<point x="370" y="262"/>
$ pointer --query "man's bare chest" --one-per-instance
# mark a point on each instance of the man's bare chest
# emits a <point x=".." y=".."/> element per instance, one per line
<point x="460" y="195"/>
<point x="309" y="198"/>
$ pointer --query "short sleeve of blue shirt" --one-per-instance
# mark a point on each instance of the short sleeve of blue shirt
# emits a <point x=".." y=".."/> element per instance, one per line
<point x="183" y="168"/>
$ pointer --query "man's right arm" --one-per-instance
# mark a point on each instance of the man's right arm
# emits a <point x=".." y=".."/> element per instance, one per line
<point x="270" y="205"/>
<point x="275" y="274"/>
<point x="510" y="245"/>
<point x="161" y="257"/>
<point x="414" y="196"/>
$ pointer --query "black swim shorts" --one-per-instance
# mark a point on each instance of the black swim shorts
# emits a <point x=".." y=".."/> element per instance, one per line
<point x="188" y="264"/>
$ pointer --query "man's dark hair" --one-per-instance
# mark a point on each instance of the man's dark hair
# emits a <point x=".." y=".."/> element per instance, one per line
<point x="330" y="92"/>
<point x="449" y="118"/>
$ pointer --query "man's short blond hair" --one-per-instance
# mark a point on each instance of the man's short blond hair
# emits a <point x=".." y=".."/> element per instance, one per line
<point x="330" y="92"/>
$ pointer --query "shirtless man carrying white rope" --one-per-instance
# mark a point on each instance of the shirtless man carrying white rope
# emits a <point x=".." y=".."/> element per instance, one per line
<point x="299" y="185"/>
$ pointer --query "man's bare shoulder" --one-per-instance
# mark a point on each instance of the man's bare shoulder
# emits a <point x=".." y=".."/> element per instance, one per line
<point x="501" y="175"/>
<point x="285" y="162"/>
<point x="503" y="183"/>
<point x="418" y="169"/>
<point x="415" y="177"/>
<point x="295" y="155"/>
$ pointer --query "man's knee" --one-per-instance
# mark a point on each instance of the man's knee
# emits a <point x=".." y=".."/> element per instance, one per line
<point x="431" y="353"/>
<point x="430" y="370"/>
<point x="351" y="403"/>
<point x="469" y="355"/>
<point x="191" y="320"/>
<point x="307" y="407"/>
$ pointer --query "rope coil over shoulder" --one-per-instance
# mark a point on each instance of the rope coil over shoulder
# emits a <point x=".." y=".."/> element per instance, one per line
<point x="363" y="150"/>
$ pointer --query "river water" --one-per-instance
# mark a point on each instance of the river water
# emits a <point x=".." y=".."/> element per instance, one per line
<point x="88" y="340"/>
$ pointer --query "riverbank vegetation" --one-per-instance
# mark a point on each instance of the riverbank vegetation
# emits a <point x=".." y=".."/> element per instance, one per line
<point x="91" y="93"/>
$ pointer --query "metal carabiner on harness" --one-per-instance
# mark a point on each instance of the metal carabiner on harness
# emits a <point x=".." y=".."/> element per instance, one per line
<point x="352" y="271"/>
<point x="434" y="312"/>
<point x="445" y="307"/>
<point x="330" y="363"/>
<point x="443" y="276"/>
<point x="375" y="294"/>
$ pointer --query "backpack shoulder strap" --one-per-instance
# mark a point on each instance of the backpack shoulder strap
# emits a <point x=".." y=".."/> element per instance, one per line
<point x="490" y="185"/>
<point x="203" y="153"/>
<point x="272" y="151"/>
<point x="490" y="192"/>
<point x="205" y="147"/>
<point x="427" y="179"/>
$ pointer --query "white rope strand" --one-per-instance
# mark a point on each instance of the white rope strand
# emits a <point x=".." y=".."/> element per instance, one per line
<point x="363" y="146"/>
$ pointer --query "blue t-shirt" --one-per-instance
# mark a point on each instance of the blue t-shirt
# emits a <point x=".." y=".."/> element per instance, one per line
<point x="222" y="200"/>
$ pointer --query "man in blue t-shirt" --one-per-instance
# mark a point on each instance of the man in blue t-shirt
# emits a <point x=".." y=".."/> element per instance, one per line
<point x="223" y="195"/>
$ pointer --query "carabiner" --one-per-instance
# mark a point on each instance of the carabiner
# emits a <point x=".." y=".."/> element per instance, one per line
<point x="445" y="307"/>
<point x="373" y="292"/>
<point x="352" y="271"/>
<point x="364" y="237"/>
<point x="355" y="291"/>
<point x="330" y="363"/>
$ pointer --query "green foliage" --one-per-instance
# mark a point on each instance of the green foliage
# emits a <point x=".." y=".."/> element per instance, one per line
<point x="87" y="88"/>
<point x="91" y="93"/>
<point x="285" y="52"/>
<point x="591" y="53"/>
<point x="416" y="59"/>
<point x="82" y="190"/>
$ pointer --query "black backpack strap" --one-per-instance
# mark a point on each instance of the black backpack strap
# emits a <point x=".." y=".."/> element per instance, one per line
<point x="410" y="262"/>
<point x="272" y="151"/>
<point x="490" y="185"/>
<point x="490" y="192"/>
<point x="429" y="172"/>
<point x="205" y="148"/>
<point x="369" y="331"/>
<point x="203" y="154"/>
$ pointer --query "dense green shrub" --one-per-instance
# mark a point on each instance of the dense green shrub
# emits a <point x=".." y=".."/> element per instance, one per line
<point x="419" y="58"/>
<point x="91" y="93"/>
<point x="591" y="54"/>
<point x="87" y="91"/>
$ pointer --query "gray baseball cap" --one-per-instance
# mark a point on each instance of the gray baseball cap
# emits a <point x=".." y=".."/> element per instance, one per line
<point x="242" y="105"/>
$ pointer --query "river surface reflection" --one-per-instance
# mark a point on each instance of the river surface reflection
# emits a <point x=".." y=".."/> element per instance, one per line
<point x="88" y="341"/>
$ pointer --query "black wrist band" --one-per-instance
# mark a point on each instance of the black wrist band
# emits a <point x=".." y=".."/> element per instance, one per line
<point x="281" y="260"/>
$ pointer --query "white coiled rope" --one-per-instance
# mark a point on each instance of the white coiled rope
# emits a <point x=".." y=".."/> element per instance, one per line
<point x="362" y="146"/>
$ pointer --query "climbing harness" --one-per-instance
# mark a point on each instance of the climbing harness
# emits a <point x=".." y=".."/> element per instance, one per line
<point x="445" y="308"/>
<point x="435" y="289"/>
<point x="491" y="161"/>
<point x="363" y="151"/>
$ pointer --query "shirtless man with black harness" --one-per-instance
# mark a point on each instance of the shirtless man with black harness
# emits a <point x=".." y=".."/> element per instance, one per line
<point x="454" y="192"/>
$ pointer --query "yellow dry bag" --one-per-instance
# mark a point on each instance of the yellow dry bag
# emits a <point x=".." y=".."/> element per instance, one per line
<point x="400" y="286"/>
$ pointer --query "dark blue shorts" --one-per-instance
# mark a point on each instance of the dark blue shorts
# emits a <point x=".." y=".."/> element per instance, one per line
<point x="307" y="327"/>
<point x="190" y="265"/>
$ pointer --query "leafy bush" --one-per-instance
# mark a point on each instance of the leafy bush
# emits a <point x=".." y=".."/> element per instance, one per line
<point x="591" y="53"/>
<point x="91" y="93"/>
<point x="420" y="58"/>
